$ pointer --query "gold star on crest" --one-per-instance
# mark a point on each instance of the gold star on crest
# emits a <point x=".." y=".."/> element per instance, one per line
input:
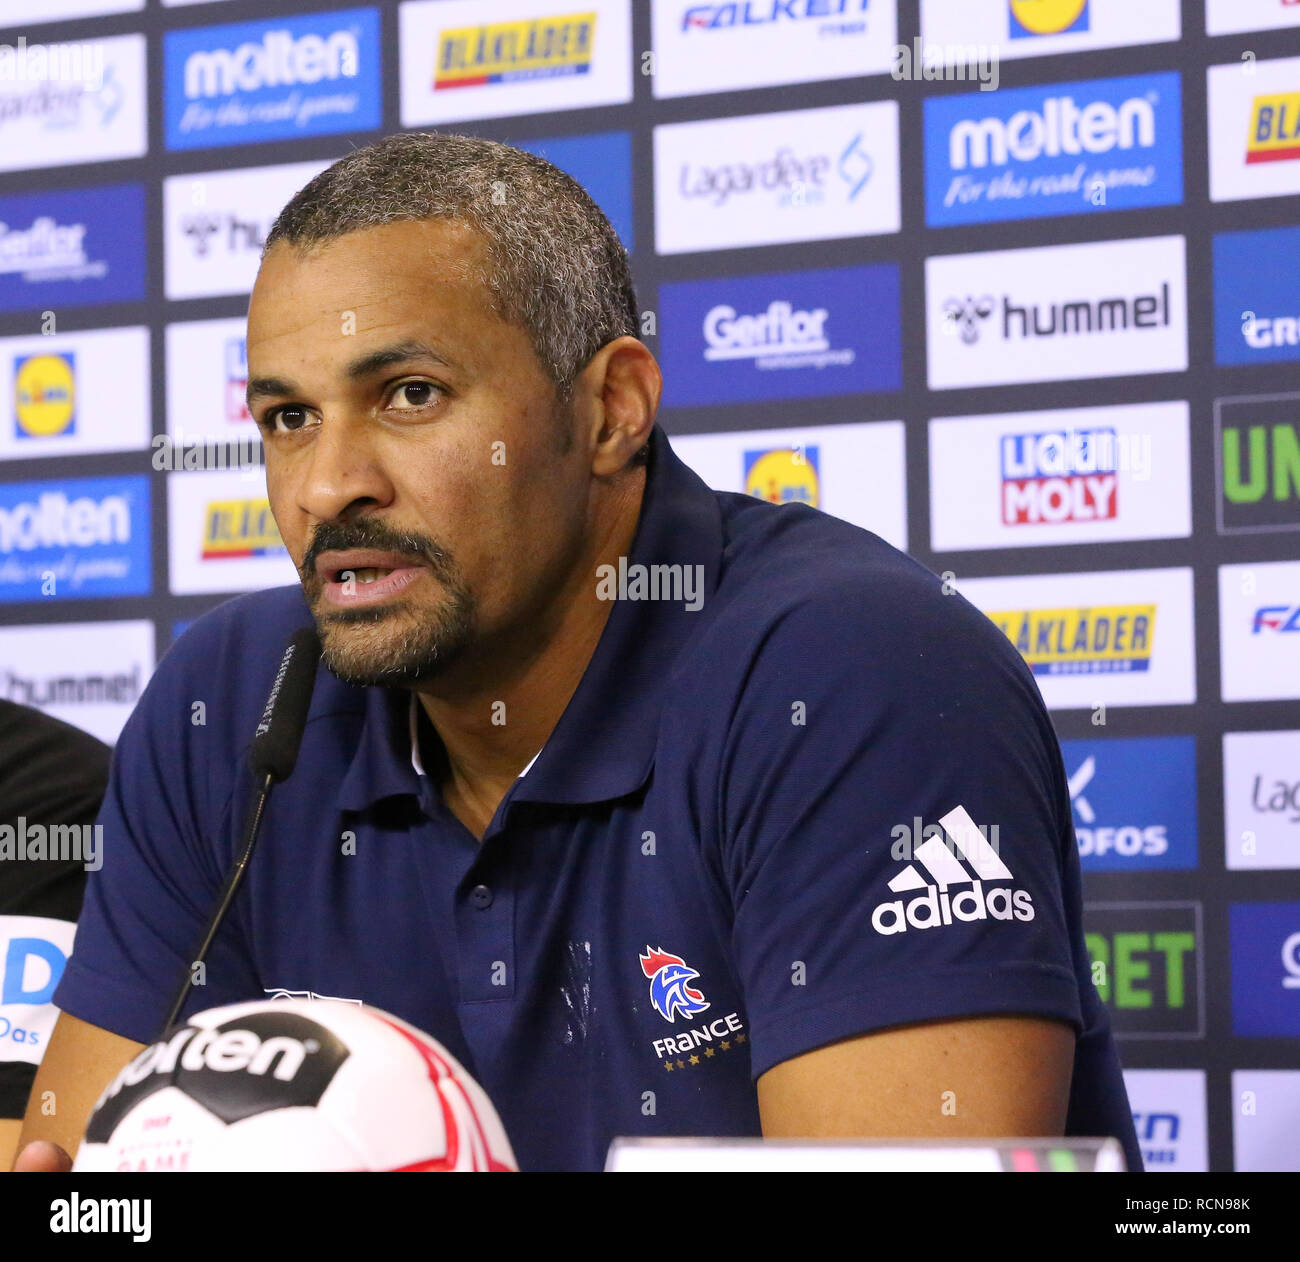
<point x="668" y="1065"/>
<point x="726" y="1047"/>
<point x="740" y="1038"/>
<point x="681" y="1064"/>
<point x="708" y="1051"/>
<point x="695" y="1060"/>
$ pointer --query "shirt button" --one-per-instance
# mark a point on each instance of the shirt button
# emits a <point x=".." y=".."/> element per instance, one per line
<point x="481" y="897"/>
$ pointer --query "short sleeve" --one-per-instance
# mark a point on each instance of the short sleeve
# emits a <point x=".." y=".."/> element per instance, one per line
<point x="894" y="822"/>
<point x="166" y="819"/>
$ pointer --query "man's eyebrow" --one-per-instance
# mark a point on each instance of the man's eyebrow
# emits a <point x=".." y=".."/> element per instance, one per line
<point x="387" y="356"/>
<point x="371" y="362"/>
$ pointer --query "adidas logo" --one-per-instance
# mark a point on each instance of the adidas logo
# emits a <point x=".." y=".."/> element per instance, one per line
<point x="946" y="865"/>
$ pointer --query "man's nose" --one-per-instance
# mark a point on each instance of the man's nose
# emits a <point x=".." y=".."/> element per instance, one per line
<point x="342" y="468"/>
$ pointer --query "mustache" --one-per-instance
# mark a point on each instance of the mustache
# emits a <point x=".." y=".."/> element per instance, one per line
<point x="368" y="533"/>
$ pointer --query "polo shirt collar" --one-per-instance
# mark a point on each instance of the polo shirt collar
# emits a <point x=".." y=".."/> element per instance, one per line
<point x="604" y="744"/>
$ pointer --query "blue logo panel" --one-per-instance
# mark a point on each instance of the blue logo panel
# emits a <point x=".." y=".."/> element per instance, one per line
<point x="1133" y="802"/>
<point x="602" y="164"/>
<point x="1257" y="296"/>
<point x="72" y="247"/>
<point x="75" y="538"/>
<point x="1056" y="149"/>
<point x="1264" y="942"/>
<point x="272" y="80"/>
<point x="785" y="335"/>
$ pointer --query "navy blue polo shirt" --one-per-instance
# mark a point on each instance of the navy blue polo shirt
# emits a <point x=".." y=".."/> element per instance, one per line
<point x="814" y="797"/>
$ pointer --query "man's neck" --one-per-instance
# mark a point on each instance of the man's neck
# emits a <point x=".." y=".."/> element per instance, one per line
<point x="494" y="718"/>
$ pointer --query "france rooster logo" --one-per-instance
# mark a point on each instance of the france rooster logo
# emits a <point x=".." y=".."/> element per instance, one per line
<point x="670" y="991"/>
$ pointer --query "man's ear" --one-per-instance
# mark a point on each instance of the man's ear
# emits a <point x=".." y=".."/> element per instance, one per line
<point x="621" y="385"/>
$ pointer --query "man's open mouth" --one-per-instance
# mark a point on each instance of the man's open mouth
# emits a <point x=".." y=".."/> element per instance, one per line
<point x="364" y="576"/>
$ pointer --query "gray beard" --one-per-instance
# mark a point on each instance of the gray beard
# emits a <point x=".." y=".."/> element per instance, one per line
<point x="420" y="654"/>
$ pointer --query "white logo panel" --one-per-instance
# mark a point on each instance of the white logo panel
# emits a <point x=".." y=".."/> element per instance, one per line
<point x="34" y="952"/>
<point x="722" y="47"/>
<point x="1023" y="28"/>
<point x="1055" y="313"/>
<point x="1264" y="1135"/>
<point x="1115" y="638"/>
<point x="1227" y="17"/>
<point x="463" y="59"/>
<point x="49" y="667"/>
<point x="852" y="471"/>
<point x="207" y="377"/>
<point x="94" y="111"/>
<point x="1252" y="109"/>
<point x="1072" y="475"/>
<point x="221" y="536"/>
<point x="1261" y="799"/>
<point x="1169" y="1118"/>
<point x="74" y="393"/>
<point x="1259" y="630"/>
<point x="16" y="11"/>
<point x="215" y="223"/>
<point x="807" y="175"/>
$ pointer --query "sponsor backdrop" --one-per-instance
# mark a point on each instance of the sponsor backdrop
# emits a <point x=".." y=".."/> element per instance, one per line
<point x="1013" y="283"/>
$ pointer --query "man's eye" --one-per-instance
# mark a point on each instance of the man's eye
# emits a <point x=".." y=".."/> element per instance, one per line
<point x="415" y="394"/>
<point x="285" y="420"/>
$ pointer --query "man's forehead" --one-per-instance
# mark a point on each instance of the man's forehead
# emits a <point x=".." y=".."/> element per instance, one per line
<point x="383" y="284"/>
<point x="410" y="256"/>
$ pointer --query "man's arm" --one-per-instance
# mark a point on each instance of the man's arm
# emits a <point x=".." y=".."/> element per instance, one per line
<point x="985" y="1076"/>
<point x="78" y="1064"/>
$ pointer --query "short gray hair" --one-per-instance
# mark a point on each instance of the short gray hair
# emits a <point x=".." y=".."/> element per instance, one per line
<point x="556" y="266"/>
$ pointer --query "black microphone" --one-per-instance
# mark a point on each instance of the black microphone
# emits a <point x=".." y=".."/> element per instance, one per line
<point x="275" y="751"/>
<point x="278" y="735"/>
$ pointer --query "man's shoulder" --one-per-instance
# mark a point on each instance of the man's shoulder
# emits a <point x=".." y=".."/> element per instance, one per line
<point x="808" y="580"/>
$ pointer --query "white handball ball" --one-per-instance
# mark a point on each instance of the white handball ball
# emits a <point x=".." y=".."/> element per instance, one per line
<point x="298" y="1084"/>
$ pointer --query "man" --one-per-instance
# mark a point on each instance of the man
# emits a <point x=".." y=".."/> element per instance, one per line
<point x="52" y="781"/>
<point x="646" y="866"/>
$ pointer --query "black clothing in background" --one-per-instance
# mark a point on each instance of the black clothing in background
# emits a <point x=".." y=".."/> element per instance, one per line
<point x="50" y="773"/>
